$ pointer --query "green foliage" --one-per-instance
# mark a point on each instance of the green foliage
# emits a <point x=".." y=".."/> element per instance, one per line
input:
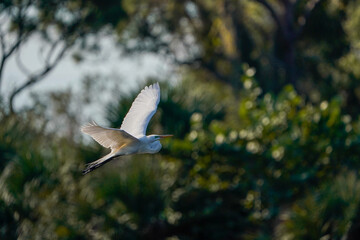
<point x="327" y="212"/>
<point x="273" y="152"/>
<point x="251" y="159"/>
<point x="298" y="43"/>
<point x="281" y="148"/>
<point x="226" y="174"/>
<point x="73" y="19"/>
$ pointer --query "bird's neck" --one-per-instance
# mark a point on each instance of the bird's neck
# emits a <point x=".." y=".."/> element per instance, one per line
<point x="146" y="139"/>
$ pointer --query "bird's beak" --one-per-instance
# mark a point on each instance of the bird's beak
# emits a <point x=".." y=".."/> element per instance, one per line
<point x="166" y="136"/>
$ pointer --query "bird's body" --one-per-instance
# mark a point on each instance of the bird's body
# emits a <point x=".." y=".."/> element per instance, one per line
<point x="130" y="138"/>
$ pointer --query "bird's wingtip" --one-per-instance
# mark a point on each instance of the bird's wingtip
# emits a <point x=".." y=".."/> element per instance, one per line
<point x="87" y="125"/>
<point x="85" y="171"/>
<point x="88" y="168"/>
<point x="154" y="85"/>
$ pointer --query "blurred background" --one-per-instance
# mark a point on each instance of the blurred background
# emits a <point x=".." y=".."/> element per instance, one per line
<point x="261" y="95"/>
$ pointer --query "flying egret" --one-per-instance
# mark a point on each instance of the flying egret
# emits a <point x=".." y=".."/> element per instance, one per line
<point x="130" y="138"/>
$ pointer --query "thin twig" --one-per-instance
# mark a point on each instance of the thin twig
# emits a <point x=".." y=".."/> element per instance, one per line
<point x="51" y="50"/>
<point x="37" y="77"/>
<point x="20" y="64"/>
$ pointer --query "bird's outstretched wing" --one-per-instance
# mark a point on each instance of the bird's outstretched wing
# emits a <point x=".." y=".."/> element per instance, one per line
<point x="108" y="137"/>
<point x="141" y="111"/>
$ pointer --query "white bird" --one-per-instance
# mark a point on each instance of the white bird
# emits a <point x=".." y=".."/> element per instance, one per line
<point x="130" y="138"/>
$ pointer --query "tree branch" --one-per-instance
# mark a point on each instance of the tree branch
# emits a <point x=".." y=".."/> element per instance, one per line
<point x="37" y="77"/>
<point x="3" y="53"/>
<point x="21" y="37"/>
<point x="51" y="51"/>
<point x="7" y="54"/>
<point x="2" y="42"/>
<point x="20" y="64"/>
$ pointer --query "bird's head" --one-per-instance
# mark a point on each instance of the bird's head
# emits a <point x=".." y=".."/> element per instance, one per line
<point x="153" y="138"/>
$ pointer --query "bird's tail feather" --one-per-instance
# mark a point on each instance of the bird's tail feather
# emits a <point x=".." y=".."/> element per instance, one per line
<point x="98" y="163"/>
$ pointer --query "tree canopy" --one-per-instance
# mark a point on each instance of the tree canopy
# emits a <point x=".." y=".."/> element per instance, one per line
<point x="264" y="111"/>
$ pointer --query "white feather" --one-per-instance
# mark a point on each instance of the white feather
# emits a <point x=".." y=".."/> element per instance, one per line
<point x="141" y="111"/>
<point x="108" y="137"/>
